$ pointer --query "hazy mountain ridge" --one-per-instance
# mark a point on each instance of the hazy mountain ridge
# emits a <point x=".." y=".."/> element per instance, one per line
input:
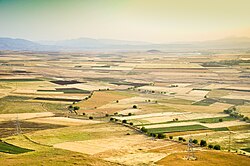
<point x="89" y="43"/>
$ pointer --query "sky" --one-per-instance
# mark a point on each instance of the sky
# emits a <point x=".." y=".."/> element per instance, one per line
<point x="158" y="21"/>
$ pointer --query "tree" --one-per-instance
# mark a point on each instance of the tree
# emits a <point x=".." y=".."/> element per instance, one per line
<point x="131" y="123"/>
<point x="161" y="136"/>
<point x="203" y="143"/>
<point x="170" y="137"/>
<point x="180" y="138"/>
<point x="70" y="108"/>
<point x="217" y="147"/>
<point x="117" y="101"/>
<point x="143" y="129"/>
<point x="91" y="117"/>
<point x="83" y="113"/>
<point x="210" y="146"/>
<point x="107" y="115"/>
<point x="129" y="114"/>
<point x="111" y="119"/>
<point x="124" y="121"/>
<point x="220" y="120"/>
<point x="75" y="108"/>
<point x="184" y="140"/>
<point x="135" y="106"/>
<point x="195" y="141"/>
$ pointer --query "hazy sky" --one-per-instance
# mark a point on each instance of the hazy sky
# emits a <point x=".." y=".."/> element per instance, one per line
<point x="141" y="20"/>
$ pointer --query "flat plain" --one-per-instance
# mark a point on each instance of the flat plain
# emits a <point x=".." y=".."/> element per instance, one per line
<point x="124" y="108"/>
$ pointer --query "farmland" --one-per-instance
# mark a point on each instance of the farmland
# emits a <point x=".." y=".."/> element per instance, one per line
<point x="123" y="108"/>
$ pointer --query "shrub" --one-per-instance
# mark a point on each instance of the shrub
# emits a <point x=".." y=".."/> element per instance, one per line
<point x="117" y="101"/>
<point x="220" y="120"/>
<point x="83" y="113"/>
<point x="210" y="146"/>
<point x="195" y="141"/>
<point x="91" y="117"/>
<point x="116" y="113"/>
<point x="203" y="143"/>
<point x="161" y="136"/>
<point x="153" y="135"/>
<point x="111" y="119"/>
<point x="184" y="140"/>
<point x="107" y="115"/>
<point x="116" y="120"/>
<point x="124" y="121"/>
<point x="131" y="123"/>
<point x="129" y="114"/>
<point x="143" y="129"/>
<point x="170" y="137"/>
<point x="245" y="118"/>
<point x="180" y="138"/>
<point x="217" y="147"/>
<point x="134" y="106"/>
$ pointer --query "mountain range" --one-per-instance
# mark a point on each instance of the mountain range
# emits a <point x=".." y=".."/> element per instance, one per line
<point x="81" y="44"/>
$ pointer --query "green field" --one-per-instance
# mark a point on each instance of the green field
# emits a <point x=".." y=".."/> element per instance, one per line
<point x="246" y="149"/>
<point x="12" y="149"/>
<point x="177" y="129"/>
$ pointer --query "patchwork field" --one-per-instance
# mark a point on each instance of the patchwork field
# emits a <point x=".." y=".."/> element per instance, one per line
<point x="124" y="108"/>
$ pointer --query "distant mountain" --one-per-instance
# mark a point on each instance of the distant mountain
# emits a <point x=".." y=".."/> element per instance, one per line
<point x="17" y="44"/>
<point x="81" y="44"/>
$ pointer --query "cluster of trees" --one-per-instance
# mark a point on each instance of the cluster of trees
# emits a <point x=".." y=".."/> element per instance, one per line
<point x="233" y="113"/>
<point x="155" y="135"/>
<point x="74" y="109"/>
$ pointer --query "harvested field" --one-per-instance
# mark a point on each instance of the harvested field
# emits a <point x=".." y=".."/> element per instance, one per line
<point x="63" y="121"/>
<point x="208" y="158"/>
<point x="23" y="116"/>
<point x="137" y="158"/>
<point x="169" y="116"/>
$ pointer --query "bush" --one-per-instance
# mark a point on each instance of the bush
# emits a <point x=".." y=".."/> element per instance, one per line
<point x="143" y="129"/>
<point x="111" y="119"/>
<point x="116" y="120"/>
<point x="170" y="137"/>
<point x="107" y="115"/>
<point x="117" y="101"/>
<point x="184" y="140"/>
<point x="217" y="147"/>
<point x="210" y="146"/>
<point x="161" y="136"/>
<point x="129" y="114"/>
<point x="245" y="118"/>
<point x="180" y="138"/>
<point x="203" y="143"/>
<point x="220" y="120"/>
<point x="134" y="106"/>
<point x="124" y="121"/>
<point x="83" y="113"/>
<point x="91" y="117"/>
<point x="195" y="141"/>
<point x="153" y="135"/>
<point x="131" y="123"/>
